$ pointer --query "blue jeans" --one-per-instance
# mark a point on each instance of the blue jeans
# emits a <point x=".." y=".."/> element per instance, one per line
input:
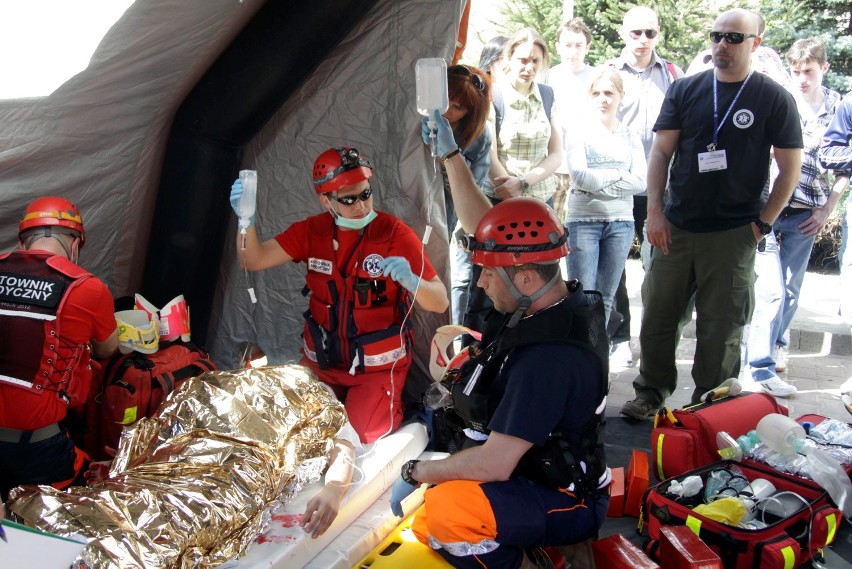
<point x="846" y="264"/>
<point x="765" y="323"/>
<point x="460" y="272"/>
<point x="598" y="253"/>
<point x="795" y="252"/>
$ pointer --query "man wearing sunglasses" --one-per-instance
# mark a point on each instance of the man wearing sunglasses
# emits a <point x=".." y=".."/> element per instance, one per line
<point x="364" y="269"/>
<point x="647" y="77"/>
<point x="719" y="126"/>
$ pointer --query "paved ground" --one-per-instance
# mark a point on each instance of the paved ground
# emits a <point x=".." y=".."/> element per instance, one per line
<point x="820" y="356"/>
<point x="819" y="364"/>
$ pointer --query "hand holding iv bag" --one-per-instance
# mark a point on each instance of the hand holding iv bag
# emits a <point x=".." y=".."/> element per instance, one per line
<point x="431" y="85"/>
<point x="247" y="203"/>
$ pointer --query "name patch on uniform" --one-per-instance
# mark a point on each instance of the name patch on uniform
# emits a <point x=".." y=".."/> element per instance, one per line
<point x="34" y="291"/>
<point x="319" y="265"/>
<point x="372" y="264"/>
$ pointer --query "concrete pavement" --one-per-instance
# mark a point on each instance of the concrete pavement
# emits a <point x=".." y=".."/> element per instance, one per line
<point x="819" y="360"/>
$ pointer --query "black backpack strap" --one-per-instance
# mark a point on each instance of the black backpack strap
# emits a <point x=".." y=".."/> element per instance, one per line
<point x="499" y="110"/>
<point x="546" y="98"/>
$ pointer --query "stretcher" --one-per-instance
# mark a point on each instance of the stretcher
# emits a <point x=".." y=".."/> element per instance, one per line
<point x="364" y="519"/>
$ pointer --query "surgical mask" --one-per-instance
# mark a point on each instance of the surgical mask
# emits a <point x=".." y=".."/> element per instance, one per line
<point x="358" y="223"/>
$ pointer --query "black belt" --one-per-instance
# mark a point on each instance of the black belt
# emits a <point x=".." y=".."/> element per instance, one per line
<point x="17" y="436"/>
<point x="790" y="211"/>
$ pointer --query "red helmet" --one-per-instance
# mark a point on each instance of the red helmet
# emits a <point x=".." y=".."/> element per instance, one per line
<point x="340" y="167"/>
<point x="52" y="212"/>
<point x="517" y="231"/>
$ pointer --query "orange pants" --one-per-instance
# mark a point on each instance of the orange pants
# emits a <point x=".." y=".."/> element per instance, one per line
<point x="481" y="525"/>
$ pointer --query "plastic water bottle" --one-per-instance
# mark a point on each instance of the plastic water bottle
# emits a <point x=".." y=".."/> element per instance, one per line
<point x="248" y="201"/>
<point x="430" y="74"/>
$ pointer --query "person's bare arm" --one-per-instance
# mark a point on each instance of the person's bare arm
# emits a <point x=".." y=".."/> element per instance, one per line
<point x="432" y="295"/>
<point x="322" y="509"/>
<point x="107" y="348"/>
<point x="470" y="203"/>
<point x="662" y="150"/>
<point x="258" y="256"/>
<point x="819" y="216"/>
<point x="495" y="460"/>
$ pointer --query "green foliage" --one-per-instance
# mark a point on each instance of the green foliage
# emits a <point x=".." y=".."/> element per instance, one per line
<point x="789" y="20"/>
<point x="685" y="24"/>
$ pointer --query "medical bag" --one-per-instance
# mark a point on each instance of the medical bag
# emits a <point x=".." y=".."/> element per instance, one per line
<point x="684" y="439"/>
<point x="133" y="387"/>
<point x="788" y="527"/>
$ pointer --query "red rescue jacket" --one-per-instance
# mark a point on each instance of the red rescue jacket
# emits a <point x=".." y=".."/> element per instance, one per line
<point x="354" y="316"/>
<point x="34" y="355"/>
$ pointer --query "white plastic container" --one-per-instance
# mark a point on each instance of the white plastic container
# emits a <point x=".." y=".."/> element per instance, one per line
<point x="430" y="75"/>
<point x="781" y="434"/>
<point x="248" y="201"/>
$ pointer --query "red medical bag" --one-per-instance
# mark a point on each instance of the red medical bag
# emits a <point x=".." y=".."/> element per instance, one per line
<point x="684" y="439"/>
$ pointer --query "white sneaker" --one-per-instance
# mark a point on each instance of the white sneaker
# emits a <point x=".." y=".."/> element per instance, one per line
<point x="777" y="387"/>
<point x="780" y="357"/>
<point x="620" y="355"/>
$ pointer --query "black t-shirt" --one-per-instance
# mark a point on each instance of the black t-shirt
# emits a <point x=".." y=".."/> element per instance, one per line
<point x="765" y="115"/>
<point x="543" y="387"/>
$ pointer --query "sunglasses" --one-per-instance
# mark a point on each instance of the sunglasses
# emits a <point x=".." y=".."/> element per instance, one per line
<point x="477" y="81"/>
<point x="351" y="200"/>
<point x="650" y="34"/>
<point x="730" y="37"/>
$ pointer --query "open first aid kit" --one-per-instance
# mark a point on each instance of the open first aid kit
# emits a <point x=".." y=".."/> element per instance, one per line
<point x="684" y="439"/>
<point x="749" y="514"/>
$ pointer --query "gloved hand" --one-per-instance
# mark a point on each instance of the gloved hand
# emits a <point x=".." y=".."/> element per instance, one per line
<point x="236" y="193"/>
<point x="446" y="140"/>
<point x="399" y="270"/>
<point x="400" y="491"/>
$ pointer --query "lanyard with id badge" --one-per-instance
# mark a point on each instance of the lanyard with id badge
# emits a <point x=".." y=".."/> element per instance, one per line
<point x="713" y="159"/>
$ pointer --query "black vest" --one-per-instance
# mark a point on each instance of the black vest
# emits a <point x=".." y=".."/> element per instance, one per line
<point x="557" y="462"/>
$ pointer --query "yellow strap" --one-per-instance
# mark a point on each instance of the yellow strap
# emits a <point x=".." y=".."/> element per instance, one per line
<point x="789" y="557"/>
<point x="660" y="456"/>
<point x="694" y="524"/>
<point x="832" y="528"/>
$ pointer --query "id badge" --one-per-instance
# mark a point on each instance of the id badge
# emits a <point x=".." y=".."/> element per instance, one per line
<point x="712" y="161"/>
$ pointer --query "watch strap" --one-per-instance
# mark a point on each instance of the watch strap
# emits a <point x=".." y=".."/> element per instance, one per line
<point x="765" y="228"/>
<point x="406" y="470"/>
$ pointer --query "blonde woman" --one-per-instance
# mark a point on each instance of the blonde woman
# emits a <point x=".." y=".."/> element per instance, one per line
<point x="607" y="166"/>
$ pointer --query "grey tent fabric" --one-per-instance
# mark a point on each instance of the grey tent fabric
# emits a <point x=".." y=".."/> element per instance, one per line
<point x="361" y="96"/>
<point x="100" y="138"/>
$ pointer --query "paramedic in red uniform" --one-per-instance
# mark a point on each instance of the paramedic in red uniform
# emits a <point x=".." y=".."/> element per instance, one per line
<point x="54" y="316"/>
<point x="364" y="267"/>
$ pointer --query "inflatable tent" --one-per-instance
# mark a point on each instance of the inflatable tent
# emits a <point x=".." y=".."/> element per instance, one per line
<point x="178" y="96"/>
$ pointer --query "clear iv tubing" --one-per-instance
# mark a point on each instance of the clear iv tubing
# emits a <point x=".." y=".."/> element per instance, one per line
<point x="433" y="137"/>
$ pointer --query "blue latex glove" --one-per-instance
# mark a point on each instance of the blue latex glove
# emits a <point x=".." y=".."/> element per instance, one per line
<point x="446" y="140"/>
<point x="399" y="270"/>
<point x="236" y="193"/>
<point x="400" y="491"/>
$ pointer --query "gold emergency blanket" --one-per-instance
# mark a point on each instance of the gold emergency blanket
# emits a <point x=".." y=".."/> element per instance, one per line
<point x="192" y="486"/>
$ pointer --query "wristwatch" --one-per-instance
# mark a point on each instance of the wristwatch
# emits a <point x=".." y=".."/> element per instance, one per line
<point x="406" y="471"/>
<point x="764" y="227"/>
<point x="524" y="184"/>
